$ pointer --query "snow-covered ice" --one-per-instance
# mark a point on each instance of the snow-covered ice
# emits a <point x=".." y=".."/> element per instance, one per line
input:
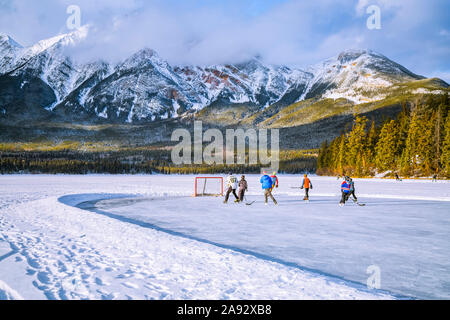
<point x="145" y="237"/>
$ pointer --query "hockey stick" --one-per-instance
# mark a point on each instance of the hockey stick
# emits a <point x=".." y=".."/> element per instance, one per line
<point x="359" y="204"/>
<point x="248" y="203"/>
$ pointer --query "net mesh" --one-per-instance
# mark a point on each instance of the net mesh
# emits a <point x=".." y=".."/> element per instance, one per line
<point x="210" y="186"/>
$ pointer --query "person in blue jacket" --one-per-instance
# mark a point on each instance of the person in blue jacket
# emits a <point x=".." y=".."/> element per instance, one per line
<point x="345" y="190"/>
<point x="267" y="184"/>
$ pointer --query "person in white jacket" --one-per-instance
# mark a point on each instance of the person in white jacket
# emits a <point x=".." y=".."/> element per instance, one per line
<point x="232" y="184"/>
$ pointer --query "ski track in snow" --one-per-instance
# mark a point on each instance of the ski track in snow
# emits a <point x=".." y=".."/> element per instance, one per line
<point x="56" y="251"/>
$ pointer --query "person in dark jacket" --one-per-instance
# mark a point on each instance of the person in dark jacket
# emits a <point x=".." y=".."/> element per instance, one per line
<point x="352" y="189"/>
<point x="243" y="187"/>
<point x="267" y="183"/>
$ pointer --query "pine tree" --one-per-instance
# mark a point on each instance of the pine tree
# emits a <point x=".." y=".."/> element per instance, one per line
<point x="439" y="134"/>
<point x="357" y="143"/>
<point x="403" y="121"/>
<point x="445" y="157"/>
<point x="324" y="153"/>
<point x="333" y="153"/>
<point x="341" y="150"/>
<point x="425" y="145"/>
<point x="386" y="148"/>
<point x="371" y="142"/>
<point x="418" y="156"/>
<point x="408" y="161"/>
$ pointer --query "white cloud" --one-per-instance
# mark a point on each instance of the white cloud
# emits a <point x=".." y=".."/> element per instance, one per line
<point x="293" y="32"/>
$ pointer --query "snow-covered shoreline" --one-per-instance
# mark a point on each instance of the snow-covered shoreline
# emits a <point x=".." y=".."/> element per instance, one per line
<point x="49" y="250"/>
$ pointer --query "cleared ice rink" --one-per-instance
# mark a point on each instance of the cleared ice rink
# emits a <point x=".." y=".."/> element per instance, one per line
<point x="407" y="239"/>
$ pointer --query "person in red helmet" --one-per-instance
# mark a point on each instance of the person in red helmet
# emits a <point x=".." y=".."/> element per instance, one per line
<point x="274" y="181"/>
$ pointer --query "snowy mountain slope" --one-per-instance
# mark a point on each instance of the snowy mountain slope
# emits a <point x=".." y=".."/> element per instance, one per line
<point x="145" y="87"/>
<point x="142" y="87"/>
<point x="251" y="82"/>
<point x="9" y="50"/>
<point x="356" y="75"/>
<point x="48" y="61"/>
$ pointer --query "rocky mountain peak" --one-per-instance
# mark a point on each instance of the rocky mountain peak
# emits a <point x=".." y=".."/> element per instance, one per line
<point x="145" y="87"/>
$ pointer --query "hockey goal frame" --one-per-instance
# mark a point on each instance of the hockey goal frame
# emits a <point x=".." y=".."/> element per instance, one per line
<point x="198" y="188"/>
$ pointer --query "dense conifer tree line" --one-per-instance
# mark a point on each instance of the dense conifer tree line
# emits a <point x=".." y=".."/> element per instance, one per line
<point x="137" y="161"/>
<point x="416" y="143"/>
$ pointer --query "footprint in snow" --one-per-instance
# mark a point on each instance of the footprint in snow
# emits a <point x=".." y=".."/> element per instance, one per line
<point x="62" y="267"/>
<point x="43" y="277"/>
<point x="130" y="285"/>
<point x="31" y="272"/>
<point x="33" y="262"/>
<point x="108" y="296"/>
<point x="101" y="282"/>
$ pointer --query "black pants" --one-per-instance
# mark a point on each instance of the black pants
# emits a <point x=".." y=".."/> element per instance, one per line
<point x="231" y="190"/>
<point x="344" y="197"/>
<point x="307" y="193"/>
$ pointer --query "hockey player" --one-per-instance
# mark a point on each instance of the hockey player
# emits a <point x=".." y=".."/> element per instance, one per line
<point x="243" y="187"/>
<point x="306" y="184"/>
<point x="345" y="190"/>
<point x="274" y="181"/>
<point x="352" y="189"/>
<point x="232" y="186"/>
<point x="267" y="185"/>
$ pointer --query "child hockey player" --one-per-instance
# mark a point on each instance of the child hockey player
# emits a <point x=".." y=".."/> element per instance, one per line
<point x="232" y="186"/>
<point x="243" y="187"/>
<point x="267" y="185"/>
<point x="306" y="184"/>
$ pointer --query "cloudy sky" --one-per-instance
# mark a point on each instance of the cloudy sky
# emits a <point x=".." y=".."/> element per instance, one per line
<point x="298" y="33"/>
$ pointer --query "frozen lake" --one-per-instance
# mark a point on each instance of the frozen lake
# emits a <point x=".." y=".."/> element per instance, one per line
<point x="407" y="239"/>
<point x="145" y="237"/>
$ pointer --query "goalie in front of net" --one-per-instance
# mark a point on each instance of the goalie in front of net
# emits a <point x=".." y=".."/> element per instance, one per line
<point x="232" y="185"/>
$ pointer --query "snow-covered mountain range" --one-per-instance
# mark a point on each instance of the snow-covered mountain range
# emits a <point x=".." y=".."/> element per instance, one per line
<point x="145" y="87"/>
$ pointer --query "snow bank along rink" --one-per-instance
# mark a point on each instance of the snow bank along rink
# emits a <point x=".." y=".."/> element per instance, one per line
<point x="50" y="249"/>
